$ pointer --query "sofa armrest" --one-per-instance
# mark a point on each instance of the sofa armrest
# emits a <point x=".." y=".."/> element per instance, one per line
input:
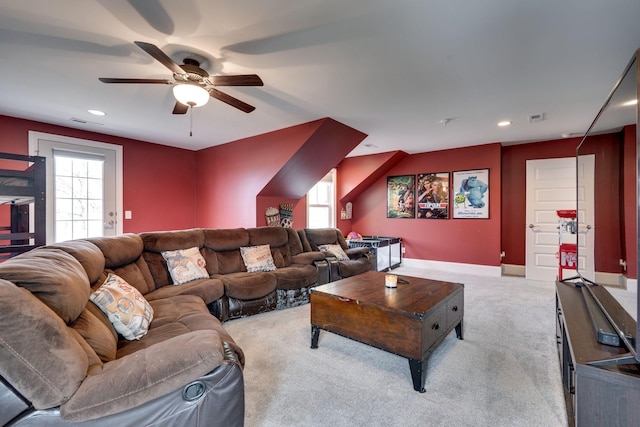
<point x="145" y="375"/>
<point x="373" y="259"/>
<point x="307" y="257"/>
<point x="324" y="275"/>
<point x="357" y="252"/>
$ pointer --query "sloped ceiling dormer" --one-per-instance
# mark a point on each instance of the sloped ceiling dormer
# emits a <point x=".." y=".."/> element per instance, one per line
<point x="323" y="150"/>
<point x="359" y="173"/>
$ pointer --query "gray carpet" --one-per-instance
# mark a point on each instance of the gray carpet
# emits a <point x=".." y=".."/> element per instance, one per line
<point x="504" y="373"/>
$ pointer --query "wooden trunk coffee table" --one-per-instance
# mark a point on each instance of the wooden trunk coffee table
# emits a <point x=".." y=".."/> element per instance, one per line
<point x="410" y="320"/>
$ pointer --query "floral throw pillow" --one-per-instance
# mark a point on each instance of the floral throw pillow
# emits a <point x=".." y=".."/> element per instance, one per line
<point x="185" y="265"/>
<point x="335" y="251"/>
<point x="257" y="258"/>
<point x="124" y="305"/>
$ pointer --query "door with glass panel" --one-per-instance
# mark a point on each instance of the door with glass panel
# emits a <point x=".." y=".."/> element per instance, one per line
<point x="83" y="190"/>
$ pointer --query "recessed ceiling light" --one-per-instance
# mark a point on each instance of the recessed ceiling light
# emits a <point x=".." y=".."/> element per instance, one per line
<point x="504" y="123"/>
<point x="630" y="103"/>
<point x="97" y="112"/>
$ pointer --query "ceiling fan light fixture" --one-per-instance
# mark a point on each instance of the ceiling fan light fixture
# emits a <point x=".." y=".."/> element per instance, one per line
<point x="191" y="95"/>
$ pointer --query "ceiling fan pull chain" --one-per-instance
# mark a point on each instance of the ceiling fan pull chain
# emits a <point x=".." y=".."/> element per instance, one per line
<point x="191" y="120"/>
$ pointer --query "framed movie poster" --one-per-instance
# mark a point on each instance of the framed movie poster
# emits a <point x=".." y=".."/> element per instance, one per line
<point x="471" y="194"/>
<point x="400" y="196"/>
<point x="433" y="195"/>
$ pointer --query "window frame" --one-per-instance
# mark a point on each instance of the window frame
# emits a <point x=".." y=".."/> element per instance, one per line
<point x="331" y="205"/>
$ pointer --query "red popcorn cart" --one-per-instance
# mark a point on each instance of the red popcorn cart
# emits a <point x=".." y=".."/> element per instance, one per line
<point x="567" y="252"/>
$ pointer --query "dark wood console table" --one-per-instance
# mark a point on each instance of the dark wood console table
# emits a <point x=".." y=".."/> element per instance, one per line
<point x="595" y="396"/>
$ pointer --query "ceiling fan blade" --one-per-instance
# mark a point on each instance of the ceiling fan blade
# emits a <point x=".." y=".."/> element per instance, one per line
<point x="240" y="80"/>
<point x="234" y="102"/>
<point x="160" y="56"/>
<point x="180" y="108"/>
<point x="151" y="81"/>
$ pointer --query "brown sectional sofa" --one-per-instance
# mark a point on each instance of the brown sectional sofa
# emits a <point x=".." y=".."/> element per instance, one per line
<point x="243" y="293"/>
<point x="62" y="363"/>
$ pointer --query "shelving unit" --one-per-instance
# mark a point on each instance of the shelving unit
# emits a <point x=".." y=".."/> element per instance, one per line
<point x="22" y="188"/>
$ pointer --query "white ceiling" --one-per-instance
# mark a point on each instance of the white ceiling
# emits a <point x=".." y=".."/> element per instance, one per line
<point x="392" y="69"/>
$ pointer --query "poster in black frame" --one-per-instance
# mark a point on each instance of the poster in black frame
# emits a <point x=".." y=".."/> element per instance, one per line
<point x="433" y="195"/>
<point x="471" y="194"/>
<point x="401" y="196"/>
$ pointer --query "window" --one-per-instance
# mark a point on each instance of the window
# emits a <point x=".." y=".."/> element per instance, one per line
<point x="78" y="190"/>
<point x="321" y="203"/>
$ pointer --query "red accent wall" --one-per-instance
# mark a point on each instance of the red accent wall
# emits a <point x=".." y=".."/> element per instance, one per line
<point x="470" y="241"/>
<point x="230" y="176"/>
<point x="356" y="174"/>
<point x="171" y="188"/>
<point x="237" y="181"/>
<point x="610" y="237"/>
<point x="514" y="186"/>
<point x="159" y="182"/>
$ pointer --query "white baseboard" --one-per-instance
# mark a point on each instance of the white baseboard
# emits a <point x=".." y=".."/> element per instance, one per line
<point x="611" y="279"/>
<point x="618" y="280"/>
<point x="513" y="270"/>
<point x="631" y="284"/>
<point x="452" y="267"/>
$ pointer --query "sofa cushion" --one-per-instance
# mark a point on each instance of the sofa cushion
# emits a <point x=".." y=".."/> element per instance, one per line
<point x="221" y="240"/>
<point x="119" y="250"/>
<point x="185" y="265"/>
<point x="334" y="251"/>
<point x="94" y="362"/>
<point x="160" y="241"/>
<point x="123" y="256"/>
<point x="247" y="286"/>
<point x="321" y="236"/>
<point x="354" y="266"/>
<point x="175" y="316"/>
<point x="296" y="276"/>
<point x="273" y="236"/>
<point x="89" y="255"/>
<point x="257" y="258"/>
<point x="157" y="242"/>
<point x="294" y="242"/>
<point x="125" y="307"/>
<point x="209" y="290"/>
<point x="49" y="371"/>
<point x="96" y="329"/>
<point x="279" y="241"/>
<point x="136" y="274"/>
<point x="53" y="276"/>
<point x="230" y="262"/>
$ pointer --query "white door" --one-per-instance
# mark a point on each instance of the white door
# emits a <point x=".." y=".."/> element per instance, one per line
<point x="84" y="186"/>
<point x="551" y="186"/>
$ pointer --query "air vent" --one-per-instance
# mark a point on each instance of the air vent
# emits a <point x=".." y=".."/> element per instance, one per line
<point x="84" y="122"/>
<point x="534" y="118"/>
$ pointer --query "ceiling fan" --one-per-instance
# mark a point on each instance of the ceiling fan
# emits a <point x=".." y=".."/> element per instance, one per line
<point x="192" y="85"/>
